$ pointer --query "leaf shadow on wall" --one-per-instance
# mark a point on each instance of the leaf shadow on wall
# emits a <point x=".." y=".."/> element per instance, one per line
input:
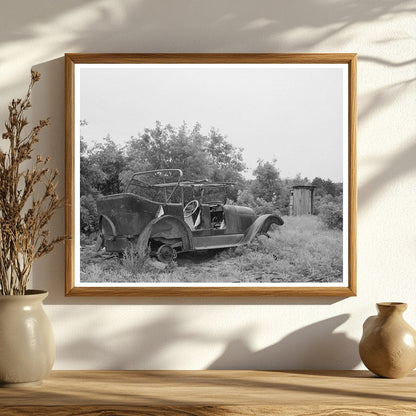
<point x="216" y="26"/>
<point x="312" y="347"/>
<point x="150" y="346"/>
<point x="398" y="165"/>
<point x="144" y="346"/>
<point x="245" y="29"/>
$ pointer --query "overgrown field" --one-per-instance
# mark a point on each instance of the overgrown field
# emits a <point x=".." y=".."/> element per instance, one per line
<point x="302" y="250"/>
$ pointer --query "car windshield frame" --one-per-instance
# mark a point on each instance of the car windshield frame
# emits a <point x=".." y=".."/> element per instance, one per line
<point x="199" y="189"/>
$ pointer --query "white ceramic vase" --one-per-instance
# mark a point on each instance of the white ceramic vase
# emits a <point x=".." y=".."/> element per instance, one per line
<point x="27" y="347"/>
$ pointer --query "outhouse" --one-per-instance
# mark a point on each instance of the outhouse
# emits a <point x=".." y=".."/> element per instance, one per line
<point x="301" y="200"/>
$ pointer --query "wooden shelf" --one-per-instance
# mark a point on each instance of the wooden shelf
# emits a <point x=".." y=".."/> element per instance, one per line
<point x="203" y="393"/>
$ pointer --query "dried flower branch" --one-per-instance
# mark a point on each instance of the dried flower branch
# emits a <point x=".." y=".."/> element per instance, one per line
<point x="23" y="217"/>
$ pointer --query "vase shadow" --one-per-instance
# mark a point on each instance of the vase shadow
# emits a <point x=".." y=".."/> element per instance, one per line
<point x="313" y="347"/>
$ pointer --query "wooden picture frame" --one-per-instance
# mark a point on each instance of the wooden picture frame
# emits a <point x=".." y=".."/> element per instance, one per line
<point x="343" y="68"/>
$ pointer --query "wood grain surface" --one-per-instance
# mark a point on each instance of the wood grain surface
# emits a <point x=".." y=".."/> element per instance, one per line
<point x="202" y="393"/>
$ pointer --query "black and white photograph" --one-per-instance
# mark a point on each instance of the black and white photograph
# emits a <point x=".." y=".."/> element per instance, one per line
<point x="211" y="174"/>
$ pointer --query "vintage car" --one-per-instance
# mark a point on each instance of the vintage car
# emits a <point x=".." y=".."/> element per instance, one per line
<point x="169" y="215"/>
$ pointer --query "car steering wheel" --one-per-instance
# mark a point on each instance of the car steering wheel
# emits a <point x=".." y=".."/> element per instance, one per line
<point x="190" y="208"/>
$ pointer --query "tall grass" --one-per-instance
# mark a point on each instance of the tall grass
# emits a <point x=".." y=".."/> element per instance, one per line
<point x="135" y="258"/>
<point x="302" y="250"/>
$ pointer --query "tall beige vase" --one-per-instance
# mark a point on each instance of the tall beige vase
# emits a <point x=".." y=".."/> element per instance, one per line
<point x="388" y="344"/>
<point x="27" y="347"/>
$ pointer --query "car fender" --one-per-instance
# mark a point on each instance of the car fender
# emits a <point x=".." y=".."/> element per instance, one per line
<point x="100" y="242"/>
<point x="170" y="226"/>
<point x="110" y="225"/>
<point x="260" y="226"/>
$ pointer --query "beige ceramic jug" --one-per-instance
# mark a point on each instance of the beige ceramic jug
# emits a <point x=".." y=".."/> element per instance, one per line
<point x="388" y="344"/>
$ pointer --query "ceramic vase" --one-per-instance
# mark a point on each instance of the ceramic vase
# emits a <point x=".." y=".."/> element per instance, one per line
<point x="27" y="347"/>
<point x="388" y="345"/>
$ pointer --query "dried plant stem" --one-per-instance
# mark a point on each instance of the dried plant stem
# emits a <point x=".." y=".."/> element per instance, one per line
<point x="23" y="217"/>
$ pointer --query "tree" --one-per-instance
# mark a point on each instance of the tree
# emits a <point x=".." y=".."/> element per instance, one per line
<point x="107" y="160"/>
<point x="199" y="156"/>
<point x="106" y="168"/>
<point x="325" y="187"/>
<point x="298" y="180"/>
<point x="100" y="169"/>
<point x="227" y="160"/>
<point x="90" y="174"/>
<point x="267" y="184"/>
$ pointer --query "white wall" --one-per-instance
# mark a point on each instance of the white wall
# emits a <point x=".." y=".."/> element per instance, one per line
<point x="199" y="333"/>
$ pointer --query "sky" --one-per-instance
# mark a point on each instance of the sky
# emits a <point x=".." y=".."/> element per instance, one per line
<point x="293" y="114"/>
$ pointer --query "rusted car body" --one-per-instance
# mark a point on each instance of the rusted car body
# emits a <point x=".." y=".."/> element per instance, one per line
<point x="170" y="215"/>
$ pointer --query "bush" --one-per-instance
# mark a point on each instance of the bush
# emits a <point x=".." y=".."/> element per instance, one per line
<point x="331" y="214"/>
<point x="260" y="206"/>
<point x="264" y="207"/>
<point x="245" y="198"/>
<point x="88" y="214"/>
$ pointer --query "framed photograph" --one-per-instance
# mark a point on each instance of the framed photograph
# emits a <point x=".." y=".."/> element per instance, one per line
<point x="211" y="174"/>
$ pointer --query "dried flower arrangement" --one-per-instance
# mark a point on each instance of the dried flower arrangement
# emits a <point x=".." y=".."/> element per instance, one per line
<point x="28" y="199"/>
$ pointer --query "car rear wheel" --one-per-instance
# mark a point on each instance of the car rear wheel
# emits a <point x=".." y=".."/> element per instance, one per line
<point x="166" y="254"/>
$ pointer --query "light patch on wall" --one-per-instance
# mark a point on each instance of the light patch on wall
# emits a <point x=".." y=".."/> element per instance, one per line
<point x="278" y="332"/>
<point x="45" y="41"/>
<point x="258" y="24"/>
